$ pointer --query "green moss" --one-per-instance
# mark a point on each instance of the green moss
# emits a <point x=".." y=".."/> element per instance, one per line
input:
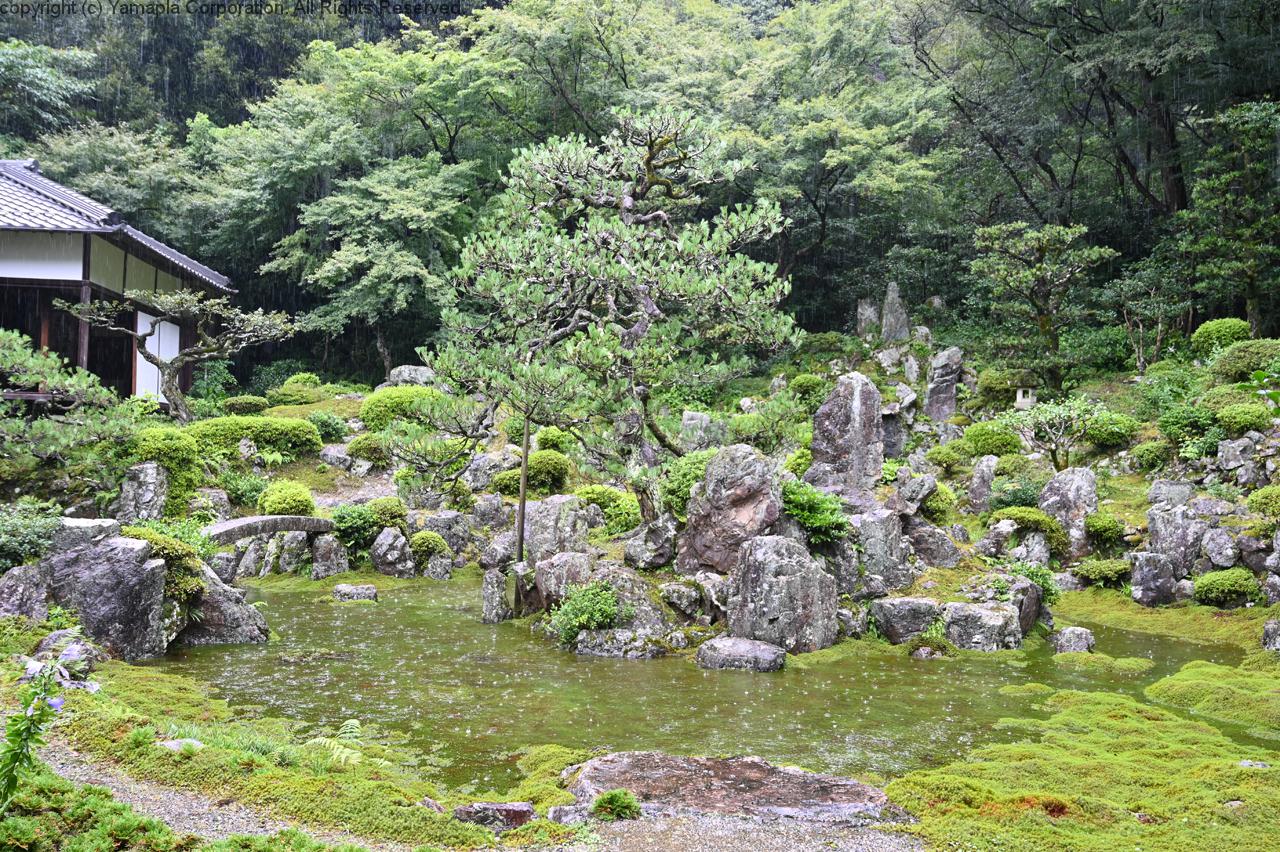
<point x="1111" y="608"/>
<point x="1104" y="529"/>
<point x="345" y="408"/>
<point x="319" y="478"/>
<point x="938" y="505"/>
<point x="1083" y="661"/>
<point x="183" y="569"/>
<point x="179" y="454"/>
<point x="1079" y="779"/>
<point x="1244" y="417"/>
<point x="1030" y="519"/>
<point x="1233" y="586"/>
<point x="1244" y="695"/>
<point x="1027" y="690"/>
<point x="992" y="439"/>
<point x="1265" y="501"/>
<point x="221" y="436"/>
<point x="286" y="497"/>
<point x="381" y="407"/>
<point x="1102" y="572"/>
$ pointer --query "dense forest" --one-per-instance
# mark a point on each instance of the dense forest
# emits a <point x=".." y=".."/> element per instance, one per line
<point x="276" y="147"/>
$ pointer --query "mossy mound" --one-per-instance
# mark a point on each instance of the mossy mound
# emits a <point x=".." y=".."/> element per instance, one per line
<point x="1083" y="661"/>
<point x="1247" y="695"/>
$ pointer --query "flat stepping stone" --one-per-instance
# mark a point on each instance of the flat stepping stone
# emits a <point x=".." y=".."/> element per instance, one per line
<point x="667" y="785"/>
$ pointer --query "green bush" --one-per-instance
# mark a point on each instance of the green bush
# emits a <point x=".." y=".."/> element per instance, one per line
<point x="331" y="427"/>
<point x="381" y="407"/>
<point x="1265" y="501"/>
<point x="507" y="482"/>
<point x="25" y="530"/>
<point x="593" y="606"/>
<point x="1234" y="585"/>
<point x="1103" y="572"/>
<point x="945" y="456"/>
<point x="1219" y="334"/>
<point x="179" y="454"/>
<point x="371" y="447"/>
<point x="1104" y="529"/>
<point x="992" y="439"/>
<point x="286" y="497"/>
<point x="389" y="512"/>
<point x="799" y="462"/>
<point x="189" y="531"/>
<point x="426" y="544"/>
<point x="744" y="428"/>
<point x="1152" y="455"/>
<point x="289" y="436"/>
<point x="1015" y="491"/>
<point x="356" y="526"/>
<point x="1240" y="360"/>
<point x="1030" y="519"/>
<point x="615" y="805"/>
<point x="1012" y="464"/>
<point x="1245" y="417"/>
<point x="183" y="568"/>
<point x="274" y="374"/>
<point x="1108" y="430"/>
<point x="889" y="470"/>
<point x="621" y="510"/>
<point x="288" y="394"/>
<point x="245" y="404"/>
<point x="302" y="379"/>
<point x="1183" y="424"/>
<point x="1042" y="577"/>
<point x="679" y="478"/>
<point x="999" y="387"/>
<point x="939" y="504"/>
<point x="554" y="438"/>
<point x="243" y="489"/>
<point x="821" y="515"/>
<point x="809" y="390"/>
<point x="548" y="472"/>
<point x="1217" y="398"/>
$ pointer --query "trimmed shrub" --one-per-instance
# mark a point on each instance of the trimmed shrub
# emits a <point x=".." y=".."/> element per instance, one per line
<point x="178" y="453"/>
<point x="998" y="386"/>
<point x="548" y="472"/>
<point x="809" y="390"/>
<point x="183" y="569"/>
<point x="945" y="456"/>
<point x="799" y="462"/>
<point x="1232" y="586"/>
<point x="356" y="526"/>
<point x="243" y="489"/>
<point x="1217" y="398"/>
<point x="26" y="528"/>
<point x="992" y="439"/>
<point x="1152" y="455"/>
<point x="371" y="447"/>
<point x="1016" y="491"/>
<point x="298" y="395"/>
<point x="381" y="407"/>
<point x="1104" y="529"/>
<point x="1240" y="360"/>
<point x="245" y="404"/>
<point x="389" y="512"/>
<point x="593" y="606"/>
<point x="554" y="438"/>
<point x="426" y="544"/>
<point x="288" y="436"/>
<point x="1030" y="519"/>
<point x="1103" y="572"/>
<point x="1184" y="423"/>
<point x="679" y="478"/>
<point x="1109" y="430"/>
<point x="1265" y="501"/>
<point x="938" y="504"/>
<point x="1245" y="417"/>
<point x="286" y="497"/>
<point x="1012" y="464"/>
<point x="615" y="805"/>
<point x="820" y="514"/>
<point x="621" y="510"/>
<point x="304" y="379"/>
<point x="331" y="427"/>
<point x="1219" y="334"/>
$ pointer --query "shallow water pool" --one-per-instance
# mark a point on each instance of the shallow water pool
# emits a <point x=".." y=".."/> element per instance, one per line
<point x="420" y="665"/>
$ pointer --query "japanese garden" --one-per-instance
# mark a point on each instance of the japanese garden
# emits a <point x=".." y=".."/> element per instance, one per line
<point x="640" y="425"/>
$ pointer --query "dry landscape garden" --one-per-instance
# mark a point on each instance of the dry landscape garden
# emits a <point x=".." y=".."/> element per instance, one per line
<point x="641" y="425"/>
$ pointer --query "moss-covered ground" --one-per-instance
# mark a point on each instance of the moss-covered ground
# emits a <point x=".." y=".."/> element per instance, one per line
<point x="1114" y="608"/>
<point x="344" y="408"/>
<point x="1247" y="695"/>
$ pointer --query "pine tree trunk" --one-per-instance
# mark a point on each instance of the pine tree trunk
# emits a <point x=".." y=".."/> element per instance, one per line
<point x="524" y="491"/>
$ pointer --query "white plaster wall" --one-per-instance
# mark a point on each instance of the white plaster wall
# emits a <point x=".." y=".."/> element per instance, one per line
<point x="39" y="254"/>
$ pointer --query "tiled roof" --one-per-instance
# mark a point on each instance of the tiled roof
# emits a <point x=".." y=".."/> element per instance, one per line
<point x="29" y="201"/>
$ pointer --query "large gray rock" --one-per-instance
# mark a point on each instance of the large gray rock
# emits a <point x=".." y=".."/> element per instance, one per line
<point x="894" y="322"/>
<point x="700" y="431"/>
<point x="848" y="439"/>
<point x="624" y="643"/>
<point x="490" y="512"/>
<point x="868" y="317"/>
<point x="295" y="553"/>
<point x="944" y="374"/>
<point x="494" y="607"/>
<point x="652" y="545"/>
<point x="220" y="616"/>
<point x="117" y="590"/>
<point x="554" y="525"/>
<point x="224" y="565"/>
<point x="982" y="627"/>
<point x="885" y="551"/>
<point x="484" y="467"/>
<point x="411" y="374"/>
<point x="1027" y="598"/>
<point x="344" y="592"/>
<point x="81" y="532"/>
<point x="740" y="497"/>
<point x="1070" y="496"/>
<point x="1176" y="534"/>
<point x="336" y="455"/>
<point x="553" y="576"/>
<point x="252" y="556"/>
<point x="984" y="474"/>
<point x="1219" y="547"/>
<point x="328" y="557"/>
<point x="1271" y="635"/>
<point x="1235" y="454"/>
<point x="1153" y="579"/>
<point x="211" y="502"/>
<point x="454" y="527"/>
<point x="997" y="538"/>
<point x="1171" y="492"/>
<point x="900" y="619"/>
<point x="1072" y="640"/>
<point x="1033" y="548"/>
<point x="143" y="493"/>
<point x="933" y="546"/>
<point x="635" y="596"/>
<point x="684" y="597"/>
<point x="497" y="816"/>
<point x="25" y="591"/>
<point x="781" y="595"/>
<point x="390" y="554"/>
<point x="730" y="652"/>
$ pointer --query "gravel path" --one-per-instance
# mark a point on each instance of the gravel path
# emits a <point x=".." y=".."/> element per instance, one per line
<point x="738" y="834"/>
<point x="186" y="812"/>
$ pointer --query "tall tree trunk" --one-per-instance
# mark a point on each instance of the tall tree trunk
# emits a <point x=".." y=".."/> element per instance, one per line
<point x="171" y="388"/>
<point x="1253" y="306"/>
<point x="524" y="491"/>
<point x="380" y="341"/>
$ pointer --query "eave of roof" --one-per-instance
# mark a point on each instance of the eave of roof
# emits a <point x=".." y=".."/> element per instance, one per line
<point x="29" y="201"/>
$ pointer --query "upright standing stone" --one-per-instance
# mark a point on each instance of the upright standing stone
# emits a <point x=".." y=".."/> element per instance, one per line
<point x="328" y="557"/>
<point x="894" y="323"/>
<point x="779" y="594"/>
<point x="143" y="493"/>
<point x="1071" y="496"/>
<point x="390" y="554"/>
<point x="868" y="317"/>
<point x="984" y="474"/>
<point x="848" y="438"/>
<point x="739" y="498"/>
<point x="944" y="374"/>
<point x="493" y="597"/>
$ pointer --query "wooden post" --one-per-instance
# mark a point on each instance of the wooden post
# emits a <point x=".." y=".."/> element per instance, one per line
<point x="82" y="347"/>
